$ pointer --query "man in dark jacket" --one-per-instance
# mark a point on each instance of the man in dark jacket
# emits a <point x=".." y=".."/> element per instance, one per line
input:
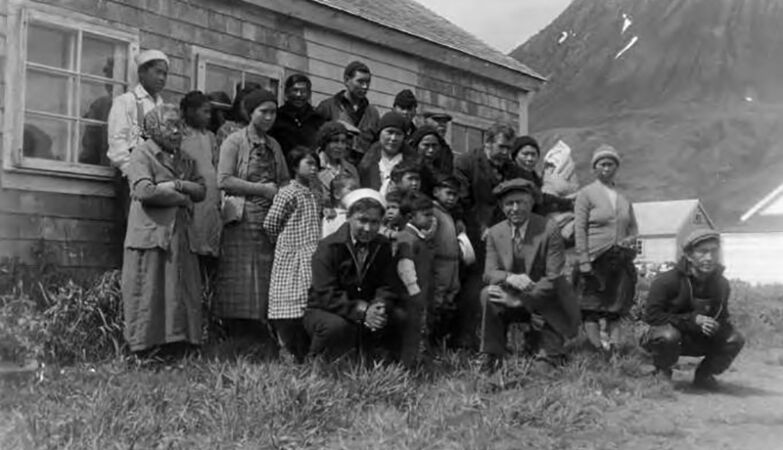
<point x="297" y="122"/>
<point x="479" y="172"/>
<point x="352" y="300"/>
<point x="352" y="106"/>
<point x="687" y="308"/>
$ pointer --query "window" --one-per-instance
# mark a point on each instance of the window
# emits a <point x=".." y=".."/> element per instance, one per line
<point x="465" y="137"/>
<point x="71" y="71"/>
<point x="218" y="72"/>
<point x="698" y="218"/>
<point x="639" y="245"/>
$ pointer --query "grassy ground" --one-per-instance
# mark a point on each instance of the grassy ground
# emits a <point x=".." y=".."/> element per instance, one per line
<point x="203" y="403"/>
<point x="215" y="401"/>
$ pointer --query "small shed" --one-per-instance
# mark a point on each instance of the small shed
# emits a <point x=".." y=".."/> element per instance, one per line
<point x="752" y="248"/>
<point x="63" y="61"/>
<point x="664" y="224"/>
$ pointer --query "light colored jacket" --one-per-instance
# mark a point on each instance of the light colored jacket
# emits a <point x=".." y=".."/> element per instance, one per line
<point x="599" y="226"/>
<point x="125" y="124"/>
<point x="153" y="210"/>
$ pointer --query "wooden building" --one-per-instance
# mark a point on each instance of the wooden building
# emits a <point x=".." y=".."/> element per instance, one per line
<point x="752" y="249"/>
<point x="663" y="225"/>
<point x="64" y="60"/>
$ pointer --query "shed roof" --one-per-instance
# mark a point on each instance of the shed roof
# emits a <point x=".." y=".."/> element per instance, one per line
<point x="417" y="20"/>
<point x="665" y="217"/>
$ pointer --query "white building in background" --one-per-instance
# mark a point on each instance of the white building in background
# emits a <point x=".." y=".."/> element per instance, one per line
<point x="753" y="249"/>
<point x="663" y="225"/>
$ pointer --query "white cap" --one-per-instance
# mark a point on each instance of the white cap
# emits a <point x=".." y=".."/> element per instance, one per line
<point x="359" y="194"/>
<point x="150" y="55"/>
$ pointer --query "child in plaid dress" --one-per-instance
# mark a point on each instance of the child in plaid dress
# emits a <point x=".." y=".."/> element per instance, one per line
<point x="294" y="221"/>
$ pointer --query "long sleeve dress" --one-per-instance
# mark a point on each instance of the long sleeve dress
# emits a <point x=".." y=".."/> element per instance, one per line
<point x="161" y="284"/>
<point x="206" y="226"/>
<point x="294" y="222"/>
<point x="246" y="161"/>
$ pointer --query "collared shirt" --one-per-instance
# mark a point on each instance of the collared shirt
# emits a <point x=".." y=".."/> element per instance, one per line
<point x="124" y="127"/>
<point x="518" y="232"/>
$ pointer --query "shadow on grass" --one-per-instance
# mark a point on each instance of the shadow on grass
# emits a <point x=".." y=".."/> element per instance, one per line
<point x="725" y="388"/>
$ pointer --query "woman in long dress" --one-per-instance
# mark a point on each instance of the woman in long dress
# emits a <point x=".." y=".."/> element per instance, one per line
<point x="250" y="172"/>
<point x="161" y="286"/>
<point x="606" y="230"/>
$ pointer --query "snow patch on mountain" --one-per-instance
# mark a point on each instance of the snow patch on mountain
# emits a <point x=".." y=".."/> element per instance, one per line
<point x="626" y="22"/>
<point x="627" y="47"/>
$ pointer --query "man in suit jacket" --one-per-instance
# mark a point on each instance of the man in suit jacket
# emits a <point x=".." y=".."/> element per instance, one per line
<point x="524" y="273"/>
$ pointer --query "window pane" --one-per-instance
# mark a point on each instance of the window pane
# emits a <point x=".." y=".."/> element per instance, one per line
<point x="458" y="138"/>
<point x="474" y="138"/>
<point x="222" y="79"/>
<point x="104" y="57"/>
<point x="93" y="145"/>
<point x="45" y="138"/>
<point x="96" y="99"/>
<point x="265" y="82"/>
<point x="50" y="46"/>
<point x="47" y="92"/>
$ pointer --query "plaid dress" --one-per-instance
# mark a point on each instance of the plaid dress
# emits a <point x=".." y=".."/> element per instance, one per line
<point x="294" y="220"/>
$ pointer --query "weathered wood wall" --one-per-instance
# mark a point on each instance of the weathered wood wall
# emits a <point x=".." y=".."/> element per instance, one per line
<point x="79" y="230"/>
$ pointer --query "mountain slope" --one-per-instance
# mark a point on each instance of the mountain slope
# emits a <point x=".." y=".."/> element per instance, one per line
<point x="690" y="92"/>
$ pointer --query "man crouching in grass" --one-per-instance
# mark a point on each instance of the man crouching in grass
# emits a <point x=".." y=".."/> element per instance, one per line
<point x="352" y="300"/>
<point x="687" y="308"/>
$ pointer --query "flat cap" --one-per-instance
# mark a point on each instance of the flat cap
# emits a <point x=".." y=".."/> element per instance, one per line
<point x="698" y="236"/>
<point x="517" y="185"/>
<point x="437" y="115"/>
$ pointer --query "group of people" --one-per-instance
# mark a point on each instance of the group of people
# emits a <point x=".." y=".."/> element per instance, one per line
<point x="336" y="230"/>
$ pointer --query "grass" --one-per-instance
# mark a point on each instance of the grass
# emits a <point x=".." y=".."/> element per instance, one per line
<point x="90" y="395"/>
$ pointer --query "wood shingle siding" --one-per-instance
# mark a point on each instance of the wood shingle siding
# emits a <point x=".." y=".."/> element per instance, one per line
<point x="75" y="216"/>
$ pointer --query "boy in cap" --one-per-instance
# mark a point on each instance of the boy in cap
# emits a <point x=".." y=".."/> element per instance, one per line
<point x="524" y="273"/>
<point x="688" y="311"/>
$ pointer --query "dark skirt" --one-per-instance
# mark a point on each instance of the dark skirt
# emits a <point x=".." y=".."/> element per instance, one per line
<point x="245" y="268"/>
<point x="609" y="291"/>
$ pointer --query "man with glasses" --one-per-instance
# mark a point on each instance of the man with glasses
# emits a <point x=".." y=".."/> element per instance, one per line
<point x="687" y="309"/>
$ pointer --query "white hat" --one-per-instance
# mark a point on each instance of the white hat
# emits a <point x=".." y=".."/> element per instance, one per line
<point x="150" y="55"/>
<point x="359" y="194"/>
<point x="466" y="249"/>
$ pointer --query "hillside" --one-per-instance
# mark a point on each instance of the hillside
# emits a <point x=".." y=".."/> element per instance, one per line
<point x="690" y="91"/>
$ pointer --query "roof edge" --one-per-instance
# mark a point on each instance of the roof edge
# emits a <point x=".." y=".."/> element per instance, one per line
<point x="761" y="204"/>
<point x="529" y="73"/>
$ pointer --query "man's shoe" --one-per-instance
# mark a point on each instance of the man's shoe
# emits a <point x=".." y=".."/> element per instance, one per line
<point x="705" y="382"/>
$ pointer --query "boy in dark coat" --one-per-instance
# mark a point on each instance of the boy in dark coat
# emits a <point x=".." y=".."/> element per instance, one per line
<point x="415" y="257"/>
<point x="447" y="257"/>
<point x="687" y="309"/>
<point x="352" y="300"/>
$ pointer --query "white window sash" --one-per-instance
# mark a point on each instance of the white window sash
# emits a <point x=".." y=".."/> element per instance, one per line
<point x="20" y="15"/>
<point x="203" y="56"/>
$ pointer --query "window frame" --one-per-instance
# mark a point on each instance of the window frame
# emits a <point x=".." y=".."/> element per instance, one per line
<point x="201" y="56"/>
<point x="467" y="122"/>
<point x="19" y="18"/>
